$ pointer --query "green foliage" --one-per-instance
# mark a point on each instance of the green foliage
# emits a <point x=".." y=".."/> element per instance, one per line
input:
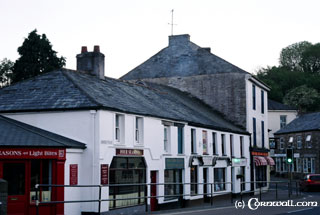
<point x="6" y="67"/>
<point x="302" y="97"/>
<point x="36" y="57"/>
<point x="291" y="56"/>
<point x="297" y="80"/>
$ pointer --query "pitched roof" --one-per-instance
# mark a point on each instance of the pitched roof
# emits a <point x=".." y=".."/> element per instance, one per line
<point x="16" y="134"/>
<point x="273" y="105"/>
<point x="181" y="58"/>
<point x="66" y="89"/>
<point x="306" y="122"/>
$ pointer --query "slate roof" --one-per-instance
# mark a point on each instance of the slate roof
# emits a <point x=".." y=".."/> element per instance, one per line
<point x="66" y="90"/>
<point x="17" y="134"/>
<point x="306" y="122"/>
<point x="273" y="105"/>
<point x="181" y="58"/>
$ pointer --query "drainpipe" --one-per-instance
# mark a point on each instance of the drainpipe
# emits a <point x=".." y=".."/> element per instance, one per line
<point x="94" y="166"/>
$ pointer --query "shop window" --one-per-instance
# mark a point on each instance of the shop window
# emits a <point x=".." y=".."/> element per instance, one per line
<point x="194" y="180"/>
<point x="283" y="121"/>
<point x="166" y="139"/>
<point x="119" y="128"/>
<point x="219" y="179"/>
<point x="139" y="130"/>
<point x="14" y="174"/>
<point x="223" y="144"/>
<point x="41" y="173"/>
<point x="127" y="170"/>
<point x="205" y="142"/>
<point x="193" y="141"/>
<point x="173" y="183"/>
<point x="214" y="143"/>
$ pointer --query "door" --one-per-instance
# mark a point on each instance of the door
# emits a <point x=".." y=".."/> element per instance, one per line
<point x="15" y="174"/>
<point x="205" y="185"/>
<point x="154" y="201"/>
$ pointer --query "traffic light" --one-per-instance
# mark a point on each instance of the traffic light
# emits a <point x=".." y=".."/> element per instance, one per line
<point x="289" y="156"/>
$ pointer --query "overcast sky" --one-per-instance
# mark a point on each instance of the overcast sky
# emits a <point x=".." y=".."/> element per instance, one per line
<point x="248" y="33"/>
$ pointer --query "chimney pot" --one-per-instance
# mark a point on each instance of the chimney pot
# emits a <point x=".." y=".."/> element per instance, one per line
<point x="84" y="49"/>
<point x="96" y="48"/>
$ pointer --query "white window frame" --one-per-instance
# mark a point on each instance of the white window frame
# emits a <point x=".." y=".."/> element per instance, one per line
<point x="138" y="130"/>
<point x="242" y="149"/>
<point x="283" y="123"/>
<point x="119" y="128"/>
<point x="166" y="139"/>
<point x="299" y="142"/>
<point x="215" y="145"/>
<point x="308" y="141"/>
<point x="193" y="141"/>
<point x="223" y="145"/>
<point x="205" y="142"/>
<point x="290" y="139"/>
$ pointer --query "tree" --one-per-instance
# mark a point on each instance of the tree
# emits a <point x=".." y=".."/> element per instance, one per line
<point x="36" y="57"/>
<point x="6" y="67"/>
<point x="292" y="55"/>
<point x="303" y="98"/>
<point x="310" y="61"/>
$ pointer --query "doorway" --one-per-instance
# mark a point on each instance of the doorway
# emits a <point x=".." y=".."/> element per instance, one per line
<point x="205" y="185"/>
<point x="154" y="200"/>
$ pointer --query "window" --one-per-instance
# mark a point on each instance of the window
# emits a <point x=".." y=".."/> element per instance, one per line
<point x="281" y="143"/>
<point x="283" y="121"/>
<point x="299" y="142"/>
<point x="241" y="147"/>
<point x="219" y="179"/>
<point x="214" y="143"/>
<point x="312" y="165"/>
<point x="290" y="139"/>
<point x="254" y="132"/>
<point x="119" y="127"/>
<point x="231" y="145"/>
<point x="223" y="144"/>
<point x="194" y="180"/>
<point x="166" y="139"/>
<point x="253" y="97"/>
<point x="193" y="141"/>
<point x="139" y="130"/>
<point x="180" y="140"/>
<point x="205" y="142"/>
<point x="299" y="160"/>
<point x="170" y="190"/>
<point x="262" y="101"/>
<point x="262" y="134"/>
<point x="124" y="170"/>
<point x="261" y="175"/>
<point x="308" y="141"/>
<point x="309" y="165"/>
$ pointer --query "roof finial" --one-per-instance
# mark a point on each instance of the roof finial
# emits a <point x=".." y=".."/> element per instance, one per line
<point x="172" y="24"/>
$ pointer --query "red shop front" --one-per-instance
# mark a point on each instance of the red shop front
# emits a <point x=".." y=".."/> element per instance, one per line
<point x="23" y="168"/>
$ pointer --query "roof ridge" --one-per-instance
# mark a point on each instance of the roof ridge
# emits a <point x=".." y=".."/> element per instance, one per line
<point x="18" y="124"/>
<point x="65" y="73"/>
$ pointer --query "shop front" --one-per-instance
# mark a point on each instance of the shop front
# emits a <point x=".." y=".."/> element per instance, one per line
<point x="261" y="161"/>
<point x="23" y="168"/>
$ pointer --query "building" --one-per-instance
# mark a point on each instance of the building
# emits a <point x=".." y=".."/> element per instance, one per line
<point x="235" y="93"/>
<point x="124" y="133"/>
<point x="303" y="136"/>
<point x="279" y="115"/>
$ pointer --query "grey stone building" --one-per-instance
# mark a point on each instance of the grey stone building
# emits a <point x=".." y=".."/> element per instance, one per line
<point x="235" y="93"/>
<point x="303" y="135"/>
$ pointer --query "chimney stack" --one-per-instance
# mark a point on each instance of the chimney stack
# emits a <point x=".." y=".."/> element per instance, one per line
<point x="92" y="62"/>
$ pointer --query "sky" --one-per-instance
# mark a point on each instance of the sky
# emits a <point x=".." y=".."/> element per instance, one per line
<point x="248" y="33"/>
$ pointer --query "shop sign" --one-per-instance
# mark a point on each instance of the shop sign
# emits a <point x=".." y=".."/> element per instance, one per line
<point x="13" y="153"/>
<point x="73" y="174"/>
<point x="104" y="174"/>
<point x="207" y="161"/>
<point x="174" y="163"/>
<point x="129" y="152"/>
<point x="259" y="153"/>
<point x="239" y="161"/>
<point x="279" y="155"/>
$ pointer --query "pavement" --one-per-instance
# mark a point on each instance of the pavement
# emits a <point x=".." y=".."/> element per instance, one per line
<point x="277" y="193"/>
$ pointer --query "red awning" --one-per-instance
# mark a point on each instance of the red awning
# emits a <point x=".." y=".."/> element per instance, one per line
<point x="270" y="161"/>
<point x="260" y="161"/>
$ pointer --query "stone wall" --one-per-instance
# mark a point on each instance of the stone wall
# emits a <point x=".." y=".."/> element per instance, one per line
<point x="224" y="92"/>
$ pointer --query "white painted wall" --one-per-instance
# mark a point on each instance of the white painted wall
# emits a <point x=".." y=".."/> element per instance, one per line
<point x="274" y="119"/>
